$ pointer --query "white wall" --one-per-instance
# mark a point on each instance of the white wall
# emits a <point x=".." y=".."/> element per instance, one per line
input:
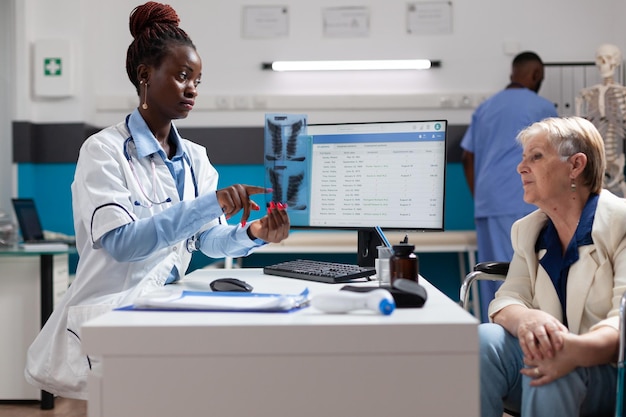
<point x="7" y="95"/>
<point x="473" y="60"/>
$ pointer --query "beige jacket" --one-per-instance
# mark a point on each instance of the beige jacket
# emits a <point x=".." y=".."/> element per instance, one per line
<point x="596" y="281"/>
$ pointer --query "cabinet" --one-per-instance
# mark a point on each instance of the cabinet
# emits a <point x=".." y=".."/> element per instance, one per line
<point x="21" y="305"/>
<point x="563" y="82"/>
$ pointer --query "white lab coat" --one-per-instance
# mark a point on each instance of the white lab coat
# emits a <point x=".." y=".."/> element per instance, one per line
<point x="104" y="193"/>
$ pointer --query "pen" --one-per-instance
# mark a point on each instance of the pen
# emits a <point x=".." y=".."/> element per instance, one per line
<point x="382" y="236"/>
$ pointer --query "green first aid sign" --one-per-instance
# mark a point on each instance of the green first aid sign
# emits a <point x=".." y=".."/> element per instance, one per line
<point x="52" y="67"/>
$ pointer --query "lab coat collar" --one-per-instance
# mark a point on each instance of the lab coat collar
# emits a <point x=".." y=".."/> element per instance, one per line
<point x="145" y="142"/>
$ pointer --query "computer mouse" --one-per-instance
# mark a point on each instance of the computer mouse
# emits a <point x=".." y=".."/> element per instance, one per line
<point x="230" y="284"/>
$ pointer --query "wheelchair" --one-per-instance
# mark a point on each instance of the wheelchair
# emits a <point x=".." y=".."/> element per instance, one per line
<point x="497" y="271"/>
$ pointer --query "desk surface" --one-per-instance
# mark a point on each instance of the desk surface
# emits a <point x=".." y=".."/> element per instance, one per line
<point x="335" y="241"/>
<point x="192" y="361"/>
<point x="147" y="325"/>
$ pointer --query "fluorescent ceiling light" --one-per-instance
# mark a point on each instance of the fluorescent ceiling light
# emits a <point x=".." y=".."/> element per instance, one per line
<point x="363" y="65"/>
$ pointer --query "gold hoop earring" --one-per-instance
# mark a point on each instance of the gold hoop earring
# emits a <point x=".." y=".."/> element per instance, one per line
<point x="144" y="105"/>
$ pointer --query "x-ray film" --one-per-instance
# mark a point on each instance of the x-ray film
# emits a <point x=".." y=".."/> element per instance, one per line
<point x="287" y="162"/>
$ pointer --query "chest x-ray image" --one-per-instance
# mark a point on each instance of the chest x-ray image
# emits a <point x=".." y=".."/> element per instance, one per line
<point x="286" y="159"/>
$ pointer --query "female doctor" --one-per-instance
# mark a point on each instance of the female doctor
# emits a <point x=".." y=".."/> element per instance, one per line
<point x="144" y="199"/>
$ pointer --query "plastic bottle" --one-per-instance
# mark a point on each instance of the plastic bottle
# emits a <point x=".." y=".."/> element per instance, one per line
<point x="403" y="263"/>
<point x="380" y="301"/>
<point x="8" y="230"/>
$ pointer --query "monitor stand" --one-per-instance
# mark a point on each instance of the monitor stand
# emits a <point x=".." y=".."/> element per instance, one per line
<point x="368" y="240"/>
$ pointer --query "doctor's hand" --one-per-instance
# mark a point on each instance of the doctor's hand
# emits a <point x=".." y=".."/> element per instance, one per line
<point x="273" y="227"/>
<point x="236" y="197"/>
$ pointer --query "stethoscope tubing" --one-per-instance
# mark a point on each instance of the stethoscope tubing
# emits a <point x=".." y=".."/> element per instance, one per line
<point x="153" y="201"/>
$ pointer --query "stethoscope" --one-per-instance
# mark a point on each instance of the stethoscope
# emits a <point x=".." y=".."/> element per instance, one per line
<point x="154" y="200"/>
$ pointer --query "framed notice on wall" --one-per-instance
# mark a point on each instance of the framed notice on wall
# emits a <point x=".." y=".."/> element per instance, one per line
<point x="346" y="22"/>
<point x="429" y="18"/>
<point x="265" y="22"/>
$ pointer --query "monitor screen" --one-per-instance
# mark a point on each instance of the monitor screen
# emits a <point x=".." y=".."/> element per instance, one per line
<point x="361" y="175"/>
<point x="28" y="219"/>
<point x="358" y="175"/>
<point x="390" y="175"/>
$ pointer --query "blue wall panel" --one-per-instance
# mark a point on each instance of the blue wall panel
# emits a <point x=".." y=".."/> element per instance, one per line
<point x="459" y="213"/>
<point x="50" y="186"/>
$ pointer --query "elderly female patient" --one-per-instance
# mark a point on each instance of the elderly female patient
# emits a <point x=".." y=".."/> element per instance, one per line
<point x="554" y="333"/>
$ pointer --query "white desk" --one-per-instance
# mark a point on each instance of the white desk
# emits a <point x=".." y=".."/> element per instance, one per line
<point x="414" y="362"/>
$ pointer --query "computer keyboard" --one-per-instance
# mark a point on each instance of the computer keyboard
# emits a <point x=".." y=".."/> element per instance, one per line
<point x="321" y="271"/>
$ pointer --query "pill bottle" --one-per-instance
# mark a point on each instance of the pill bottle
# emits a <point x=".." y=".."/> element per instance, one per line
<point x="403" y="263"/>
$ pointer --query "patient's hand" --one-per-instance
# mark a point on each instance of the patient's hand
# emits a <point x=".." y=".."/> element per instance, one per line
<point x="540" y="334"/>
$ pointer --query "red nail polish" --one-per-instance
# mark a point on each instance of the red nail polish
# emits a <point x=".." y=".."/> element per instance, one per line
<point x="243" y="223"/>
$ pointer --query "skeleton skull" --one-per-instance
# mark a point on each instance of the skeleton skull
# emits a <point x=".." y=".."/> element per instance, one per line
<point x="608" y="57"/>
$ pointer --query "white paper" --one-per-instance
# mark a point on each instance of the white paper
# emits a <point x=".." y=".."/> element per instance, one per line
<point x="346" y="22"/>
<point x="222" y="301"/>
<point x="44" y="247"/>
<point x="265" y="22"/>
<point x="429" y="18"/>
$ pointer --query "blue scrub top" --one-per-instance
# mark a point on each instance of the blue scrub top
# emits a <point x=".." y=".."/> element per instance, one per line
<point x="491" y="137"/>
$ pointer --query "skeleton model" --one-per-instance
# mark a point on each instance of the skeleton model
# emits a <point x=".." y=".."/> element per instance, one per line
<point x="605" y="106"/>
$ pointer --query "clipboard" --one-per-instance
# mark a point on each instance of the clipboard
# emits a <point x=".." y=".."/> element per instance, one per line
<point x="220" y="301"/>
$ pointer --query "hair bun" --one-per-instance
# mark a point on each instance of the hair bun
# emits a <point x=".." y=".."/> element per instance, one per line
<point x="151" y="14"/>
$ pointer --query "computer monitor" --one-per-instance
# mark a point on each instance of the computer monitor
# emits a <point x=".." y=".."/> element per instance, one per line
<point x="28" y="219"/>
<point x="361" y="175"/>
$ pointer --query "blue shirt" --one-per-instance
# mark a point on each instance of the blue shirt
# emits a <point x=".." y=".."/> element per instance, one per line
<point x="146" y="145"/>
<point x="491" y="137"/>
<point x="557" y="264"/>
<point x="136" y="240"/>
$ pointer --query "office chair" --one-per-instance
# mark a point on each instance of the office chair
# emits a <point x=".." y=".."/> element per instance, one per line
<point x="498" y="270"/>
